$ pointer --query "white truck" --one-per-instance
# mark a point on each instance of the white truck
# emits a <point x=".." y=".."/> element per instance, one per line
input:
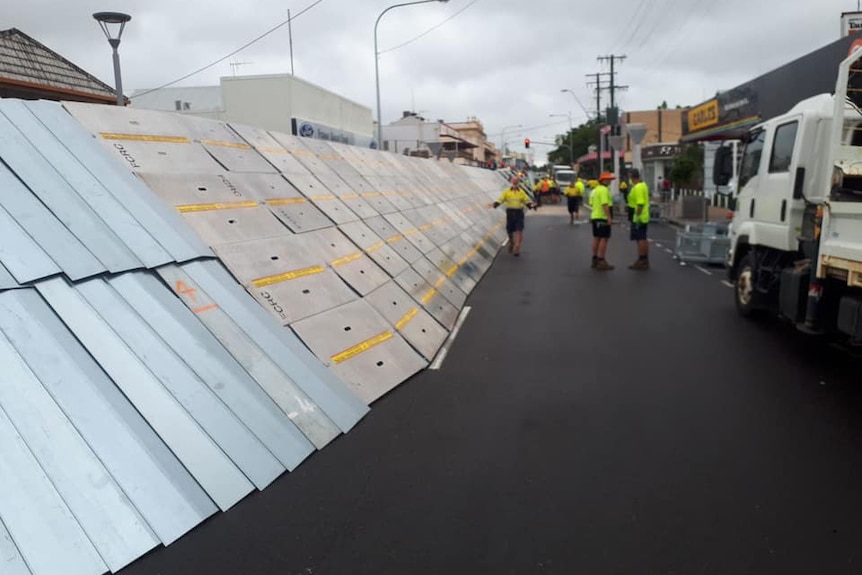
<point x="796" y="236"/>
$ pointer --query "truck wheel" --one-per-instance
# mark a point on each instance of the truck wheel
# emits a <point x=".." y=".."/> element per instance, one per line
<point x="745" y="295"/>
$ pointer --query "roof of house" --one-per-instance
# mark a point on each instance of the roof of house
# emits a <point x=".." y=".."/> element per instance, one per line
<point x="29" y="64"/>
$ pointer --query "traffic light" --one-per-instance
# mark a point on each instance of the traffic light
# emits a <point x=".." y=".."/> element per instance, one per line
<point x="526" y="142"/>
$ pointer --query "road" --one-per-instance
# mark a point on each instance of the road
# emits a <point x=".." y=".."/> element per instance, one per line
<point x="582" y="423"/>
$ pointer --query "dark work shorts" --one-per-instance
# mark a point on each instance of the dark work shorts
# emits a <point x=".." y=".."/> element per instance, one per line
<point x="601" y="229"/>
<point x="575" y="204"/>
<point x="638" y="232"/>
<point x="514" y="220"/>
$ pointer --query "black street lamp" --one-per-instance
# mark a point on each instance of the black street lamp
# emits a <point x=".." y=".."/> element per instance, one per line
<point x="112" y="24"/>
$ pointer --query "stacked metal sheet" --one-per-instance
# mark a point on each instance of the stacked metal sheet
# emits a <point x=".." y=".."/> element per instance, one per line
<point x="319" y="232"/>
<point x="142" y="389"/>
<point x="165" y="285"/>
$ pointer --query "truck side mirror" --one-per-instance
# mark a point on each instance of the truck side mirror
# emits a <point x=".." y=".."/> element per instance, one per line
<point x="722" y="168"/>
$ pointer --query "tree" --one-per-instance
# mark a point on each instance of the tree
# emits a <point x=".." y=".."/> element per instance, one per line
<point x="581" y="138"/>
<point x="687" y="169"/>
<point x="663" y="105"/>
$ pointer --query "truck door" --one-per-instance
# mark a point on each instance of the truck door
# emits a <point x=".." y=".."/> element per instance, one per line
<point x="749" y="179"/>
<point x="775" y="208"/>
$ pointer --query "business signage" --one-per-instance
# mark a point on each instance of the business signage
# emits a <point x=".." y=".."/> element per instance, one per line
<point x="703" y="116"/>
<point x="851" y="23"/>
<point x="730" y="109"/>
<point x="308" y="129"/>
<point x="661" y="152"/>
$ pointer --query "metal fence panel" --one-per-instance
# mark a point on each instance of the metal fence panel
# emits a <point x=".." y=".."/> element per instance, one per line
<point x="111" y="522"/>
<point x="162" y="222"/>
<point x="84" y="190"/>
<point x="197" y="397"/>
<point x="210" y="359"/>
<point x="288" y="276"/>
<point x="46" y="532"/>
<point x="51" y="236"/>
<point x="324" y="388"/>
<point x="152" y="477"/>
<point x="360" y="347"/>
<point x="224" y="483"/>
<point x="54" y="192"/>
<point x="11" y="562"/>
<point x="417" y="326"/>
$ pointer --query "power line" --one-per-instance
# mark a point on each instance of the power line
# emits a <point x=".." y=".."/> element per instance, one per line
<point x="640" y="23"/>
<point x="630" y="22"/>
<point x="429" y="30"/>
<point x="237" y="51"/>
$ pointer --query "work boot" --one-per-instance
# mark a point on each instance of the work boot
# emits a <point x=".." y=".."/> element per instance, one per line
<point x="603" y="266"/>
<point x="640" y="265"/>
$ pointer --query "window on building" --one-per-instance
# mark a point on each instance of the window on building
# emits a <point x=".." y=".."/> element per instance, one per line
<point x="782" y="148"/>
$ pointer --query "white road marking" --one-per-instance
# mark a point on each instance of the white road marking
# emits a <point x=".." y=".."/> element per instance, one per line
<point x="668" y="250"/>
<point x="727" y="283"/>
<point x="441" y="355"/>
<point x="683" y="264"/>
<point x="658" y="245"/>
<point x="704" y="270"/>
<point x="506" y="241"/>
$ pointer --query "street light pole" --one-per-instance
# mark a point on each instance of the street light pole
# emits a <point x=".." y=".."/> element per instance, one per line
<point x="377" y="64"/>
<point x="107" y="20"/>
<point x="571" y="134"/>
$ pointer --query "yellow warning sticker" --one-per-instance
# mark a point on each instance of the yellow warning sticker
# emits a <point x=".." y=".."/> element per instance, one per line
<point x="187" y="208"/>
<point x="145" y="138"/>
<point x="287" y="276"/>
<point x="364" y="346"/>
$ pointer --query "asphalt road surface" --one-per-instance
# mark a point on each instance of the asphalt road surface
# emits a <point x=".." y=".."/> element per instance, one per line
<point x="582" y="423"/>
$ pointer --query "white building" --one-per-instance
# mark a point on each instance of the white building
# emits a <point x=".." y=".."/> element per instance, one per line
<point x="281" y="102"/>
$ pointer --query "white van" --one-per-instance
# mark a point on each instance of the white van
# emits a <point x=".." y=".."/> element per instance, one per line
<point x="565" y="177"/>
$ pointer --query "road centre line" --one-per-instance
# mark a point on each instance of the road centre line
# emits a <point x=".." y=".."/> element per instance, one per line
<point x="444" y="351"/>
<point x="704" y="270"/>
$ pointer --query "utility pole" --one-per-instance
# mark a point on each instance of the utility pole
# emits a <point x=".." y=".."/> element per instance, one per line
<point x="598" y="84"/>
<point x="613" y="116"/>
<point x="615" y="138"/>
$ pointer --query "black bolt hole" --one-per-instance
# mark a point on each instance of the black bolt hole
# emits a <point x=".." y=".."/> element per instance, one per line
<point x="379" y="364"/>
<point x="395" y="303"/>
<point x="305" y="291"/>
<point x="273" y="258"/>
<point x="362" y="271"/>
<point x="347" y="328"/>
<point x="231" y="221"/>
<point x="423" y="330"/>
<point x="201" y="189"/>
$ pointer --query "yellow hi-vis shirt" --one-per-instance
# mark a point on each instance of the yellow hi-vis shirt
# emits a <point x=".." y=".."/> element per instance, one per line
<point x="639" y="196"/>
<point x="600" y="198"/>
<point x="575" y="189"/>
<point x="514" y="199"/>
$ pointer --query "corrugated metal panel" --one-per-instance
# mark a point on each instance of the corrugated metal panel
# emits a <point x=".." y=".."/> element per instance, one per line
<point x="108" y="208"/>
<point x="19" y="253"/>
<point x="52" y="190"/>
<point x="11" y="562"/>
<point x="159" y="220"/>
<point x="189" y="391"/>
<point x="212" y="361"/>
<point x="200" y="454"/>
<point x="289" y="397"/>
<point x="150" y="475"/>
<point x="321" y="385"/>
<point x="44" y="529"/>
<point x="109" y="519"/>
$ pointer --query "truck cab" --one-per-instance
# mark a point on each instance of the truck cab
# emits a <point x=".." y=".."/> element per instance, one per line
<point x="796" y="237"/>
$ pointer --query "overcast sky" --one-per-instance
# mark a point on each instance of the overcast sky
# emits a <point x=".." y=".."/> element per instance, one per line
<point x="503" y="61"/>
